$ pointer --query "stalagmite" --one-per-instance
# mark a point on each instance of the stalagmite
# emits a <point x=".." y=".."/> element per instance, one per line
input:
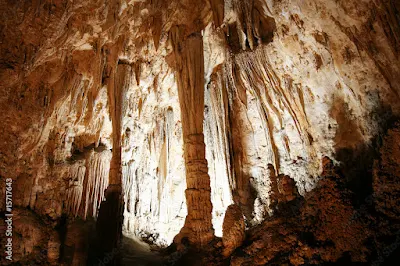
<point x="274" y="192"/>
<point x="287" y="188"/>
<point x="189" y="57"/>
<point x="233" y="229"/>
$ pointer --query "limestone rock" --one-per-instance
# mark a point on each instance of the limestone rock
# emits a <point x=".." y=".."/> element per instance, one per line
<point x="233" y="229"/>
<point x="287" y="188"/>
<point x="305" y="227"/>
<point x="53" y="249"/>
<point x="193" y="107"/>
<point x="386" y="169"/>
<point x="29" y="239"/>
<point x="188" y="51"/>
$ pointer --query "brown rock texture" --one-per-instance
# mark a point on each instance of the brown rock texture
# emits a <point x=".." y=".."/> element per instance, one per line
<point x="318" y="229"/>
<point x="53" y="249"/>
<point x="30" y="237"/>
<point x="385" y="176"/>
<point x="385" y="198"/>
<point x="233" y="229"/>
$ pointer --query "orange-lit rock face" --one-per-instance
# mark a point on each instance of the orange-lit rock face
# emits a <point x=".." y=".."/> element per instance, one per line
<point x="233" y="229"/>
<point x="287" y="188"/>
<point x="285" y="84"/>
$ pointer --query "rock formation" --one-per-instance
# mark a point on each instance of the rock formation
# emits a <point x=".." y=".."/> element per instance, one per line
<point x="233" y="229"/>
<point x="153" y="117"/>
<point x="189" y="59"/>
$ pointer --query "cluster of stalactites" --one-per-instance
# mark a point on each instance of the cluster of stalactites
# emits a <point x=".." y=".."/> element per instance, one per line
<point x="88" y="180"/>
<point x="246" y="23"/>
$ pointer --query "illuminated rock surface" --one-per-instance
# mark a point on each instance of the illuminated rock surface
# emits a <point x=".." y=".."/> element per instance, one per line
<point x="192" y="107"/>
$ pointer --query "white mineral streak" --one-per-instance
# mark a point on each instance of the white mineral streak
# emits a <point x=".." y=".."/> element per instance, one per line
<point x="75" y="187"/>
<point x="217" y="130"/>
<point x="87" y="181"/>
<point x="96" y="182"/>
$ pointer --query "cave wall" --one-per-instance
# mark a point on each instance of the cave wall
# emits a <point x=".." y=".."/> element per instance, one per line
<point x="287" y="82"/>
<point x="317" y="88"/>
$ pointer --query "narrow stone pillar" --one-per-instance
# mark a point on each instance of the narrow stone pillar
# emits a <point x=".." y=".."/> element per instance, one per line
<point x="116" y="91"/>
<point x="274" y="193"/>
<point x="189" y="59"/>
<point x="110" y="219"/>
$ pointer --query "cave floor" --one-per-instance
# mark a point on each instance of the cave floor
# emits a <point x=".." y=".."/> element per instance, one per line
<point x="138" y="253"/>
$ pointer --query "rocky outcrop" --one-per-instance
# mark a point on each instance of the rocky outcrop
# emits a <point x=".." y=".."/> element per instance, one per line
<point x="386" y="168"/>
<point x="233" y="229"/>
<point x="306" y="231"/>
<point x="325" y="226"/>
<point x="385" y="197"/>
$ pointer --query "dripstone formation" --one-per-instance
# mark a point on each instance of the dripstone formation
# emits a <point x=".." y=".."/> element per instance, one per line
<point x="217" y="132"/>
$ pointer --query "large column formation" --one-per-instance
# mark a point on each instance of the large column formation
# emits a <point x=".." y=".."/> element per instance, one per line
<point x="188" y="51"/>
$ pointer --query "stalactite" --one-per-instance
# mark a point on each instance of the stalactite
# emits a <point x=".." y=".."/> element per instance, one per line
<point x="218" y="142"/>
<point x="75" y="188"/>
<point x="88" y="180"/>
<point x="96" y="182"/>
<point x="153" y="167"/>
<point x="164" y="159"/>
<point x="252" y="73"/>
<point x="127" y="184"/>
<point x="241" y="128"/>
<point x="248" y="75"/>
<point x="110" y="220"/>
<point x="248" y="26"/>
<point x="217" y="7"/>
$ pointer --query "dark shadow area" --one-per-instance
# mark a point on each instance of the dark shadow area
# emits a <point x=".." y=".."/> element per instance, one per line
<point x="61" y="228"/>
<point x="391" y="255"/>
<point x="355" y="156"/>
<point x="260" y="32"/>
<point x="105" y="249"/>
